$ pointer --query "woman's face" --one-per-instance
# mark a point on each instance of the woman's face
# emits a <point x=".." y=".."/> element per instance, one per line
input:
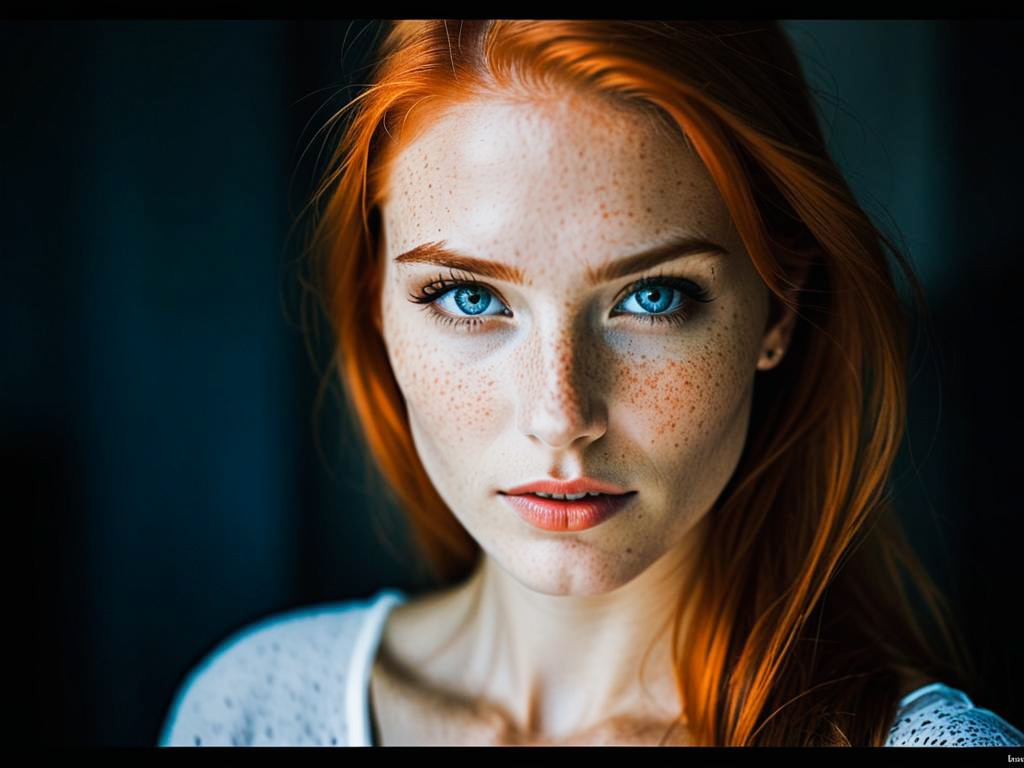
<point x="551" y="375"/>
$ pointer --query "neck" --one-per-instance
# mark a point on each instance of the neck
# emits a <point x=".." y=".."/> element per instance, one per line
<point x="558" y="665"/>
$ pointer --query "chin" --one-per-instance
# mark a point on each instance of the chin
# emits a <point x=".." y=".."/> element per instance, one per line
<point x="569" y="567"/>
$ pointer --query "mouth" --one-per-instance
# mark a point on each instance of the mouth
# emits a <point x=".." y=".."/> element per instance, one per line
<point x="566" y="515"/>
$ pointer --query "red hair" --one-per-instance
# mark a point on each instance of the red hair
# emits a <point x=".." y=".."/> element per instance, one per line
<point x="801" y="625"/>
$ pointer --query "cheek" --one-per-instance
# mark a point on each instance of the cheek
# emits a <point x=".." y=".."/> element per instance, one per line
<point x="684" y="402"/>
<point x="451" y="400"/>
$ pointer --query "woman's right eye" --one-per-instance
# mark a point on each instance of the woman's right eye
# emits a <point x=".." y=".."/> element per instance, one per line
<point x="474" y="300"/>
<point x="456" y="298"/>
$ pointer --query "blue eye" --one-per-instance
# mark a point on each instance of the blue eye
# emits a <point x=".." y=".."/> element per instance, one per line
<point x="657" y="302"/>
<point x="472" y="299"/>
<point x="458" y="297"/>
<point x="658" y="299"/>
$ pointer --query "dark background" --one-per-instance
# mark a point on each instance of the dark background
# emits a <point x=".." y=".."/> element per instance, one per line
<point x="161" y="479"/>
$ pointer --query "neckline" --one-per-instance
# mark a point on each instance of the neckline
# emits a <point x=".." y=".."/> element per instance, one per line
<point x="357" y="702"/>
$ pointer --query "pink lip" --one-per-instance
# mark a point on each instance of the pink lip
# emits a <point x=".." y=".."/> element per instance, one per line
<point x="579" y="485"/>
<point x="555" y="515"/>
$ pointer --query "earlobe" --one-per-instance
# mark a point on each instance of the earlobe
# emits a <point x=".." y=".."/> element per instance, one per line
<point x="770" y="357"/>
<point x="776" y="339"/>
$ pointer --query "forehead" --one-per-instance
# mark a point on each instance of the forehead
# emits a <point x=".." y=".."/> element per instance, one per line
<point x="523" y="181"/>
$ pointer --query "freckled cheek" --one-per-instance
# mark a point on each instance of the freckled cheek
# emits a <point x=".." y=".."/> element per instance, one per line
<point x="453" y="400"/>
<point x="679" y="404"/>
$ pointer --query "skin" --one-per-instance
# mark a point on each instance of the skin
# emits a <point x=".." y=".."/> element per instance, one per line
<point x="545" y="643"/>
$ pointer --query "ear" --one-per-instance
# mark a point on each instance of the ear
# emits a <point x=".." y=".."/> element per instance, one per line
<point x="781" y="321"/>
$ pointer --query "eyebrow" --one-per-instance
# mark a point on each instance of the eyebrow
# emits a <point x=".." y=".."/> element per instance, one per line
<point x="439" y="254"/>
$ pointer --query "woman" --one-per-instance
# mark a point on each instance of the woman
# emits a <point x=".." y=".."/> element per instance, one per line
<point x="610" y="258"/>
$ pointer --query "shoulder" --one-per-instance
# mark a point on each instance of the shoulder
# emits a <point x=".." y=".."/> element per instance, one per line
<point x="277" y="681"/>
<point x="937" y="715"/>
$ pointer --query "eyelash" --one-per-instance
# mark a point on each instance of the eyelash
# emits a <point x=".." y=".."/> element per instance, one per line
<point x="439" y="287"/>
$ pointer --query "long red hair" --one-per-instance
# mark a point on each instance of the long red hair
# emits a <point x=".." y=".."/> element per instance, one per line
<point x="807" y="609"/>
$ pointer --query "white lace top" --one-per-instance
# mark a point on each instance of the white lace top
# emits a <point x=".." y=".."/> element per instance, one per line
<point x="302" y="678"/>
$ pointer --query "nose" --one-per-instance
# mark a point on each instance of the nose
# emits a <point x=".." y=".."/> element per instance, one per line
<point x="560" y="398"/>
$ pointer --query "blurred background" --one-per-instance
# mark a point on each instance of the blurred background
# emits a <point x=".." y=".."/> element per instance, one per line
<point x="159" y="456"/>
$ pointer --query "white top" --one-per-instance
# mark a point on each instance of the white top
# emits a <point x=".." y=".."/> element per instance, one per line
<point x="937" y="715"/>
<point x="297" y="678"/>
<point x="302" y="678"/>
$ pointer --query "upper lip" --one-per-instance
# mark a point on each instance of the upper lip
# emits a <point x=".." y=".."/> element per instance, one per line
<point x="579" y="485"/>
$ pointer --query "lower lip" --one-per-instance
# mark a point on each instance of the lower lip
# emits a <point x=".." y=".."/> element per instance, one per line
<point x="555" y="515"/>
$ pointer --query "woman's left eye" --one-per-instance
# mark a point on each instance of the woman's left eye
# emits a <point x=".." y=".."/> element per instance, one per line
<point x="655" y="297"/>
<point x="662" y="299"/>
